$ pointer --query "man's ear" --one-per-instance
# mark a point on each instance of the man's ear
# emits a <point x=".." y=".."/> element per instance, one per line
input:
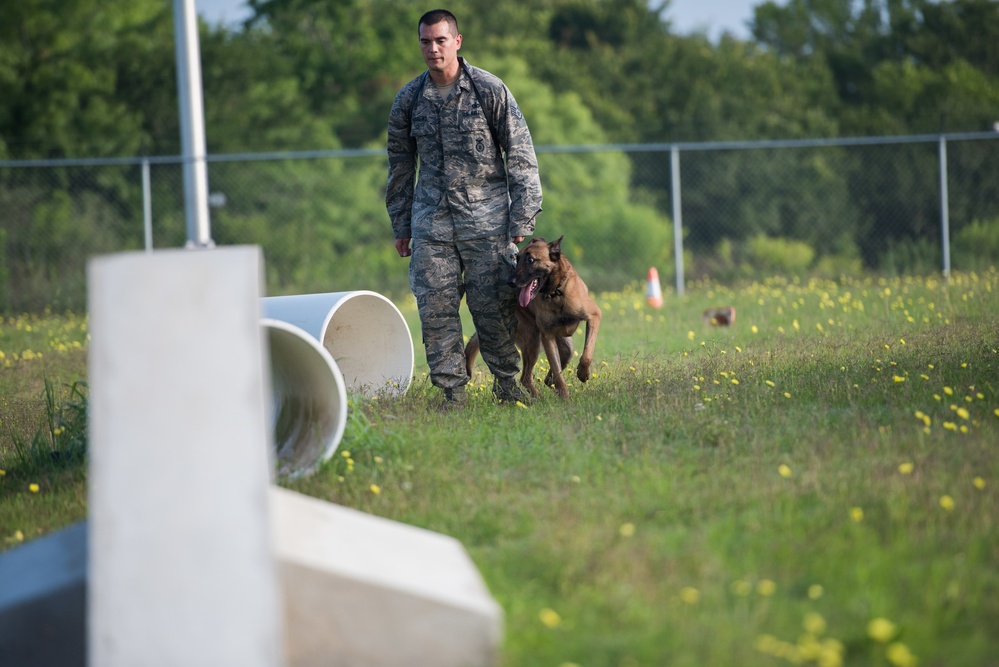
<point x="555" y="248"/>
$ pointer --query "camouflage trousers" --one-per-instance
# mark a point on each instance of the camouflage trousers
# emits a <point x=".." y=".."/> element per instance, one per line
<point x="439" y="274"/>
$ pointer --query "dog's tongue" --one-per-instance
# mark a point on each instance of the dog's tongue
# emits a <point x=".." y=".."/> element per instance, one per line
<point x="526" y="293"/>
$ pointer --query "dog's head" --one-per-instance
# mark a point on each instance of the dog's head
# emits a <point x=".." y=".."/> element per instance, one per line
<point x="535" y="263"/>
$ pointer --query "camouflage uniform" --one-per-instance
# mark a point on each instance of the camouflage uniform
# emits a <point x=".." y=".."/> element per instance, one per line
<point x="462" y="212"/>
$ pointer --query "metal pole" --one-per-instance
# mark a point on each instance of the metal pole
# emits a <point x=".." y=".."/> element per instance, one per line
<point x="147" y="205"/>
<point x="944" y="207"/>
<point x="677" y="217"/>
<point x="192" y="124"/>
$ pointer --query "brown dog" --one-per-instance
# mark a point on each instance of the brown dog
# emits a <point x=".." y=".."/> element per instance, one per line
<point x="553" y="301"/>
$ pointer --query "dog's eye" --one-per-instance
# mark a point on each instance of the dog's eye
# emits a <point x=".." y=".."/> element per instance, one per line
<point x="530" y="259"/>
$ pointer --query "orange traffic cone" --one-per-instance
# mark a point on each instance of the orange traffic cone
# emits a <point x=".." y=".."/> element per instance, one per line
<point x="654" y="292"/>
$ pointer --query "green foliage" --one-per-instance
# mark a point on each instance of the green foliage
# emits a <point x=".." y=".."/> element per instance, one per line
<point x="58" y="77"/>
<point x="907" y="254"/>
<point x="976" y="246"/>
<point x="779" y="256"/>
<point x="88" y="78"/>
<point x="62" y="440"/>
<point x="763" y="255"/>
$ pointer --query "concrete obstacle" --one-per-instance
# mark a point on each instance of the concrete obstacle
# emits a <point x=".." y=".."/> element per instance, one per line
<point x="363" y="331"/>
<point x="43" y="601"/>
<point x="358" y="591"/>
<point x="181" y="570"/>
<point x="362" y="591"/>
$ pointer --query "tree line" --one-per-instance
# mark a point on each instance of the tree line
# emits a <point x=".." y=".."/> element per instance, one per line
<point x="96" y="78"/>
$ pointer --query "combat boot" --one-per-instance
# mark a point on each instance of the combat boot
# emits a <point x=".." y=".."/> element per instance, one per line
<point x="455" y="400"/>
<point x="506" y="390"/>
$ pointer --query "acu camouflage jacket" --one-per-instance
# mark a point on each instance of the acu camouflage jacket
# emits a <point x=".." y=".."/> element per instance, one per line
<point x="464" y="190"/>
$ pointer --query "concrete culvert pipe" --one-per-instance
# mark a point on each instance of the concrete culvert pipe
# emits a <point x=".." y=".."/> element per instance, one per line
<point x="309" y="409"/>
<point x="364" y="332"/>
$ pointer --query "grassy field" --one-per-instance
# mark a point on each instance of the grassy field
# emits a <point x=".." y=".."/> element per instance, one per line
<point x="816" y="484"/>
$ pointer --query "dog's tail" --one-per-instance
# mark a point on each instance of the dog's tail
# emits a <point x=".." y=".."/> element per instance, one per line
<point x="471" y="351"/>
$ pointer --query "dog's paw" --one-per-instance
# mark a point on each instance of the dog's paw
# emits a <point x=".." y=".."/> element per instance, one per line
<point x="583" y="372"/>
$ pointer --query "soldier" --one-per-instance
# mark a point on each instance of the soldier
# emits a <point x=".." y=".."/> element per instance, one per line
<point x="468" y="209"/>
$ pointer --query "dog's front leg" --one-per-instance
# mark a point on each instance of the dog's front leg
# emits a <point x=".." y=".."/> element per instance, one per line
<point x="529" y="342"/>
<point x="589" y="343"/>
<point x="565" y="351"/>
<point x="551" y="349"/>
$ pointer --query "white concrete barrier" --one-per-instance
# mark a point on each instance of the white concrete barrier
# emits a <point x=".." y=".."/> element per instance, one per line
<point x="43" y="600"/>
<point x="359" y="591"/>
<point x="181" y="570"/>
<point x="309" y="407"/>
<point x="362" y="591"/>
<point x="364" y="332"/>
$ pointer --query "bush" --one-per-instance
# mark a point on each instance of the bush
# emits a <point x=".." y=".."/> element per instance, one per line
<point x="778" y="255"/>
<point x="976" y="246"/>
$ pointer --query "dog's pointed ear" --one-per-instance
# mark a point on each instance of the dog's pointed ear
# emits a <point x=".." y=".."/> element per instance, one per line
<point x="555" y="248"/>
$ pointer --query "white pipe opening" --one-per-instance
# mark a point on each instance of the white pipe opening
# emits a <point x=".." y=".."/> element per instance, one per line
<point x="309" y="409"/>
<point x="363" y="331"/>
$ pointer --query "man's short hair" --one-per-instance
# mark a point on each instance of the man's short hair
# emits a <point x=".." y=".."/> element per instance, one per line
<point x="435" y="16"/>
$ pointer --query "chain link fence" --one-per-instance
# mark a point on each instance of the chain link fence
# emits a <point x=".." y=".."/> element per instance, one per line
<point x="745" y="210"/>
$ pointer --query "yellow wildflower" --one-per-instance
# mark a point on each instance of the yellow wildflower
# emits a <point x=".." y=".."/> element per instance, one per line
<point x="814" y="624"/>
<point x="690" y="595"/>
<point x="766" y="588"/>
<point x="550" y="617"/>
<point x="881" y="629"/>
<point x="899" y="655"/>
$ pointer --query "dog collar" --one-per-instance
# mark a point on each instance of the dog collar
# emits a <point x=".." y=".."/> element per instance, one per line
<point x="557" y="291"/>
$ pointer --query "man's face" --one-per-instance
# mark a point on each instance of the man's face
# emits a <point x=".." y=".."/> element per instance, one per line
<point x="440" y="48"/>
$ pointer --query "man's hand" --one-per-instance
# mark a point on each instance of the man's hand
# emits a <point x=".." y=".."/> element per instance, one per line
<point x="402" y="247"/>
<point x="519" y="239"/>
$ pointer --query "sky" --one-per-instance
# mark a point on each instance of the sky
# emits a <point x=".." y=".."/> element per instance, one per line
<point x="711" y="16"/>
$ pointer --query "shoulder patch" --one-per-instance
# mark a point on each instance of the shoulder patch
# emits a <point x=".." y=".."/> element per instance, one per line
<point x="515" y="110"/>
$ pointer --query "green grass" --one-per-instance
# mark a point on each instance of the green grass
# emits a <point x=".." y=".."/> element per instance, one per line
<point x="750" y="495"/>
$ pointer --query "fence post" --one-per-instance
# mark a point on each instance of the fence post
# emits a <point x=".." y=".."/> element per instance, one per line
<point x="944" y="207"/>
<point x="674" y="152"/>
<point x="147" y="205"/>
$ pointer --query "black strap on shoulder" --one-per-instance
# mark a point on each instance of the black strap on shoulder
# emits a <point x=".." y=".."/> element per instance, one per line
<point x="478" y="97"/>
